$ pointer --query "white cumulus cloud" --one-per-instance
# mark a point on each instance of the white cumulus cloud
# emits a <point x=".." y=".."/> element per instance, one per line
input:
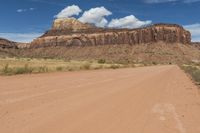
<point x="128" y="22"/>
<point x="195" y="31"/>
<point x="69" y="11"/>
<point x="96" y="16"/>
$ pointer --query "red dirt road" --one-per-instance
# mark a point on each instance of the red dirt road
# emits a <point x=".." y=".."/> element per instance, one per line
<point x="159" y="99"/>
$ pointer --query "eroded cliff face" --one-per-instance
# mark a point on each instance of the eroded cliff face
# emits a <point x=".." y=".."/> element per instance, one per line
<point x="71" y="32"/>
<point x="4" y="43"/>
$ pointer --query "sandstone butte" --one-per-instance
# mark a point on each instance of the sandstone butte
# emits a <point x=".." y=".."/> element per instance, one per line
<point x="71" y="32"/>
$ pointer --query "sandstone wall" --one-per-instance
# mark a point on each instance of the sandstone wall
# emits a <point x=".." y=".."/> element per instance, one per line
<point x="98" y="36"/>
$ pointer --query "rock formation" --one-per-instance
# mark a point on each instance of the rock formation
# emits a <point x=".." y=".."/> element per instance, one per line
<point x="4" y="43"/>
<point x="71" y="32"/>
<point x="70" y="24"/>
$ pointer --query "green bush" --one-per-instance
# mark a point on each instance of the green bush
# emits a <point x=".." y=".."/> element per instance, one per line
<point x="101" y="61"/>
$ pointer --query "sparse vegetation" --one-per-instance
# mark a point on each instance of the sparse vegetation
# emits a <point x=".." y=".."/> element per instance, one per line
<point x="17" y="65"/>
<point x="194" y="71"/>
<point x="22" y="70"/>
<point x="13" y="66"/>
<point x="16" y="70"/>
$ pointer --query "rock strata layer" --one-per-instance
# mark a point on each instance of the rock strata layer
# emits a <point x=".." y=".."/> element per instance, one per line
<point x="71" y="32"/>
<point x="4" y="43"/>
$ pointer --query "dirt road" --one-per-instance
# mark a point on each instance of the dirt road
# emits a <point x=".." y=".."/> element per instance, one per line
<point x="159" y="99"/>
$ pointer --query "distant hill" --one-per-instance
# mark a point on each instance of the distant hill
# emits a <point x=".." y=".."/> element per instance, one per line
<point x="4" y="43"/>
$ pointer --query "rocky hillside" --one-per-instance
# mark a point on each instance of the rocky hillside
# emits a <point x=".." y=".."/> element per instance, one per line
<point x="4" y="43"/>
<point x="196" y="45"/>
<point x="144" y="53"/>
<point x="71" y="32"/>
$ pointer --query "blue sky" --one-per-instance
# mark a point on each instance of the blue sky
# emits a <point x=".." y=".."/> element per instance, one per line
<point x="23" y="20"/>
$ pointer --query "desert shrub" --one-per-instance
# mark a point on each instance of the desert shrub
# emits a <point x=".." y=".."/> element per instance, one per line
<point x="86" y="66"/>
<point x="101" y="61"/>
<point x="123" y="61"/>
<point x="59" y="68"/>
<point x="114" y="66"/>
<point x="19" y="70"/>
<point x="97" y="67"/>
<point x="154" y="63"/>
<point x="28" y="59"/>
<point x="196" y="76"/>
<point x="72" y="68"/>
<point x="28" y="69"/>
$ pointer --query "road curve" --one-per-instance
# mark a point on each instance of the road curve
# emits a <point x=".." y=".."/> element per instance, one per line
<point x="157" y="99"/>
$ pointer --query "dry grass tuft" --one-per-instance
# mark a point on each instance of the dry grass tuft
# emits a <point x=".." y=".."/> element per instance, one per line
<point x="194" y="71"/>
